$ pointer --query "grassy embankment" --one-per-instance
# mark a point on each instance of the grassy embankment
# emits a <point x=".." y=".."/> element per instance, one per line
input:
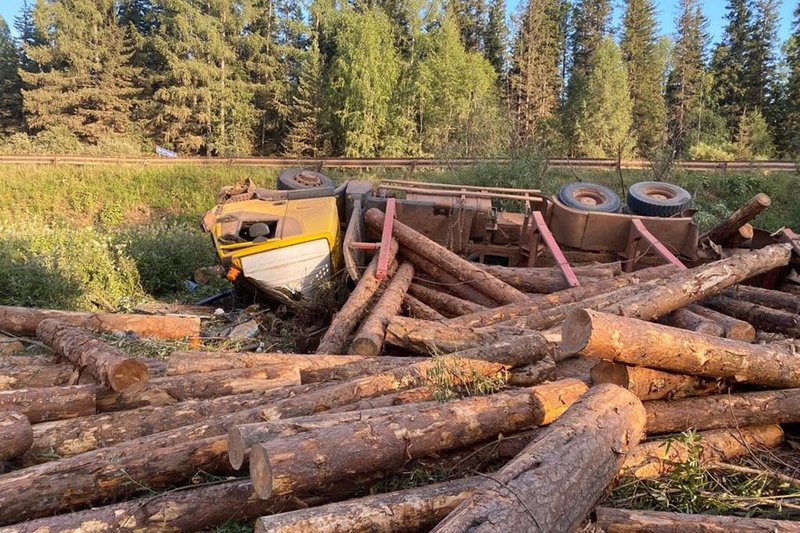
<point x="107" y="237"/>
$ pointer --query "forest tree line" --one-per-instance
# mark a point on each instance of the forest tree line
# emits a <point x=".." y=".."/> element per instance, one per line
<point x="364" y="78"/>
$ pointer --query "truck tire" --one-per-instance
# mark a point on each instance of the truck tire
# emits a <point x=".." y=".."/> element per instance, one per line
<point x="295" y="179"/>
<point x="589" y="197"/>
<point x="657" y="199"/>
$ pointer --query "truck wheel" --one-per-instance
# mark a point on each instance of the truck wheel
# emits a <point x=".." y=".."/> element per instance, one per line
<point x="589" y="197"/>
<point x="295" y="179"/>
<point x="657" y="199"/>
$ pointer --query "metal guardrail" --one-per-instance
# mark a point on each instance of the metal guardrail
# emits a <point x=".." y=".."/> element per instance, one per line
<point x="319" y="163"/>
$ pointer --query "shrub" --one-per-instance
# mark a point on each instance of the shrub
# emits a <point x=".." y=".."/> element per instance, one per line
<point x="707" y="152"/>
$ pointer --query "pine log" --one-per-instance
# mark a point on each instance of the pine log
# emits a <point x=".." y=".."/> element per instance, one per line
<point x="108" y="365"/>
<point x="556" y="480"/>
<point x="369" y="366"/>
<point x="722" y="232"/>
<point x="791" y="288"/>
<point x="405" y="511"/>
<point x="659" y="457"/>
<point x="16" y="435"/>
<point x="33" y="375"/>
<point x="576" y="368"/>
<point x="516" y="351"/>
<point x="174" y="456"/>
<point x="173" y="389"/>
<point x="742" y="236"/>
<point x="735" y="329"/>
<point x="761" y="317"/>
<point x="370" y="336"/>
<point x="533" y="373"/>
<point x="54" y="403"/>
<point x="650" y="384"/>
<point x="686" y="319"/>
<point x="639" y="343"/>
<point x="446" y="304"/>
<point x="347" y="318"/>
<point x="459" y="267"/>
<point x="418" y="309"/>
<point x="24" y="321"/>
<point x="628" y="521"/>
<point x="417" y="395"/>
<point x="425" y="336"/>
<point x="550" y="279"/>
<point x="694" y="284"/>
<point x="724" y="411"/>
<point x="309" y="460"/>
<point x="538" y="304"/>
<point x="439" y="279"/>
<point x="780" y="300"/>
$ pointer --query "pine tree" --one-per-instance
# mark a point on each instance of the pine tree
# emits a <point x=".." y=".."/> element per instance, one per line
<point x="304" y="138"/>
<point x="730" y="60"/>
<point x="685" y="85"/>
<point x="645" y="74"/>
<point x="792" y="98"/>
<point x="760" y="68"/>
<point x="495" y="38"/>
<point x="86" y="81"/>
<point x="536" y="76"/>
<point x="10" y="83"/>
<point x="605" y="120"/>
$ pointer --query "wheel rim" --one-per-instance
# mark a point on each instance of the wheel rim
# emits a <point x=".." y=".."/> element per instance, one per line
<point x="589" y="197"/>
<point x="308" y="179"/>
<point x="654" y="192"/>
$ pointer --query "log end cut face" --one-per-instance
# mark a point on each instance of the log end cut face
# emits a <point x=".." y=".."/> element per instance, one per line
<point x="576" y="332"/>
<point x="236" y="448"/>
<point x="261" y="471"/>
<point x="129" y="375"/>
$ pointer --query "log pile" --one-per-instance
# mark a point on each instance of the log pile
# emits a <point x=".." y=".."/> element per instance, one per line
<point x="572" y="389"/>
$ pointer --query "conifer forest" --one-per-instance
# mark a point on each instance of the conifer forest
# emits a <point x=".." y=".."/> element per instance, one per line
<point x="402" y="78"/>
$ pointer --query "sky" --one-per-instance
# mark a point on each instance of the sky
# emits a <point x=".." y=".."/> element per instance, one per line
<point x="714" y="11"/>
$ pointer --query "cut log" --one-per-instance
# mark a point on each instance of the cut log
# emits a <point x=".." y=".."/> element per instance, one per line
<point x="576" y="368"/>
<point x="582" y="450"/>
<point x="33" y="375"/>
<point x="440" y="279"/>
<point x="446" y="304"/>
<point x="694" y="284"/>
<point x="735" y="329"/>
<point x="550" y="279"/>
<point x="650" y="384"/>
<point x="639" y="343"/>
<point x="174" y="389"/>
<point x="417" y="509"/>
<point x="367" y="367"/>
<point x="174" y="456"/>
<point x="424" y="336"/>
<point x="687" y="319"/>
<point x="418" y="395"/>
<point x="659" y="457"/>
<point x="24" y="321"/>
<point x="728" y="228"/>
<point x="624" y="521"/>
<point x="783" y="301"/>
<point x="791" y="288"/>
<point x="539" y="304"/>
<point x="516" y="351"/>
<point x="724" y="411"/>
<point x="370" y="336"/>
<point x="533" y="373"/>
<point x="347" y="318"/>
<point x="761" y="317"/>
<point x="310" y="460"/>
<point x="16" y="435"/>
<point x="742" y="236"/>
<point x="421" y="310"/>
<point x="459" y="267"/>
<point x="108" y="365"/>
<point x="54" y="403"/>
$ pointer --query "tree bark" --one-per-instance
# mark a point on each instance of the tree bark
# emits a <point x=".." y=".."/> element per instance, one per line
<point x="369" y="366"/>
<point x="459" y="267"/>
<point x="576" y="368"/>
<point x="446" y="304"/>
<point x="639" y="343"/>
<point x="347" y="318"/>
<point x="533" y="373"/>
<point x="761" y="317"/>
<point x="24" y="321"/>
<point x="419" y="309"/>
<point x="686" y="319"/>
<point x="735" y="329"/>
<point x="54" y="403"/>
<point x="370" y="336"/>
<point x="625" y="521"/>
<point x="659" y="457"/>
<point x="649" y="384"/>
<point x="780" y="300"/>
<point x="539" y="304"/>
<point x="722" y="232"/>
<point x="306" y="461"/>
<point x="516" y="351"/>
<point x="424" y="336"/>
<point x="108" y="365"/>
<point x="33" y="375"/>
<point x="16" y="435"/>
<point x="550" y="279"/>
<point x="174" y="389"/>
<point x="410" y="510"/>
<point x="724" y="411"/>
<point x="554" y="482"/>
<point x="694" y="284"/>
<point x="444" y="280"/>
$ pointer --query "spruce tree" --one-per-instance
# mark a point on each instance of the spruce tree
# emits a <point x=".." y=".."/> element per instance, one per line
<point x="645" y="75"/>
<point x="10" y="83"/>
<point x="470" y="17"/>
<point x="730" y="60"/>
<point x="792" y="99"/>
<point x="86" y="80"/>
<point x="304" y="138"/>
<point x="495" y="38"/>
<point x="28" y="35"/>
<point x="760" y="68"/>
